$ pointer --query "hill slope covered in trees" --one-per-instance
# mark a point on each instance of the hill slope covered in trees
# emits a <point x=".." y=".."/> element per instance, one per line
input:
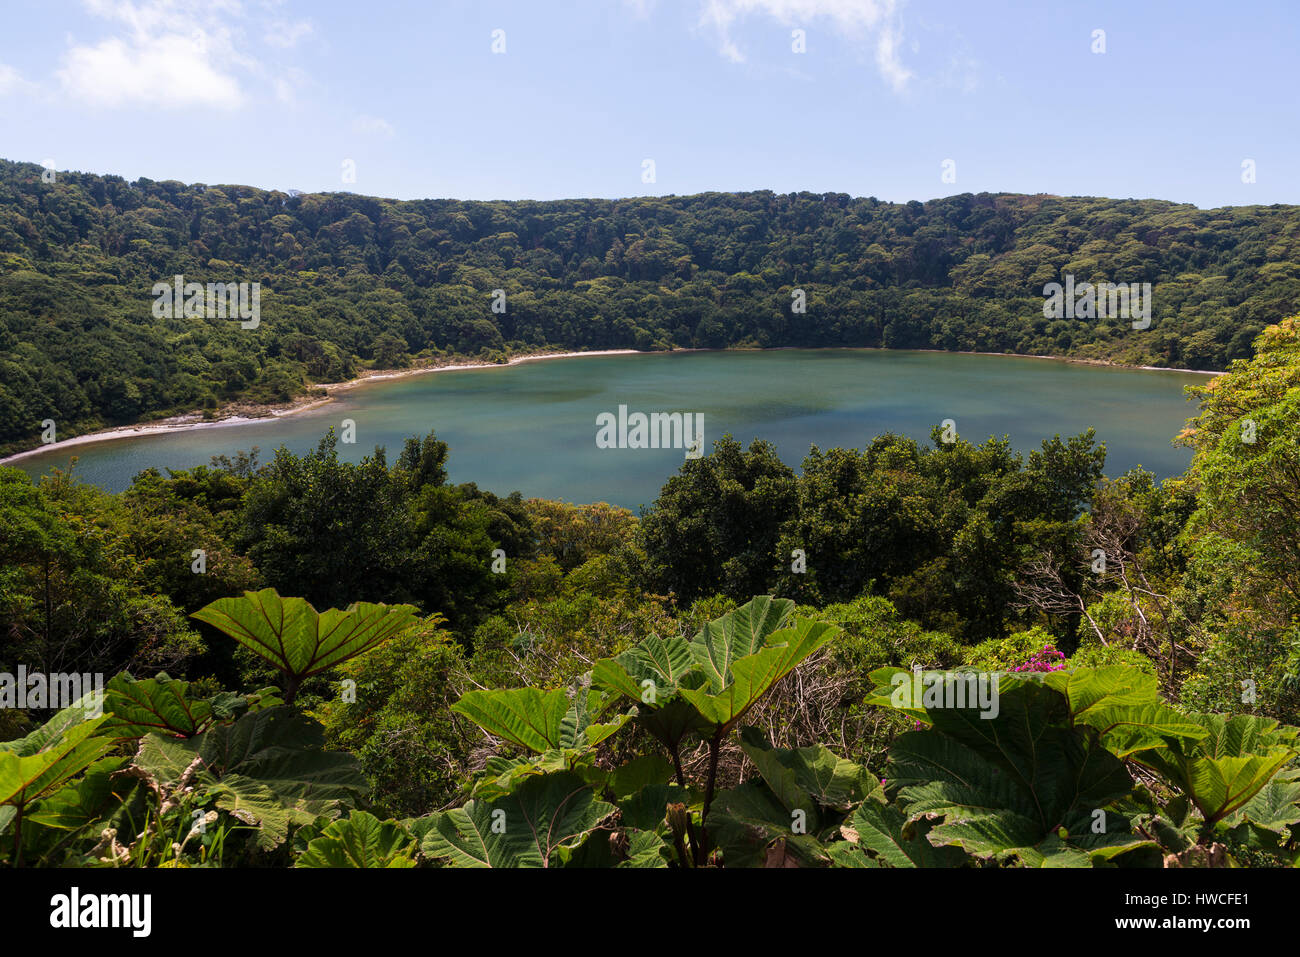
<point x="349" y="281"/>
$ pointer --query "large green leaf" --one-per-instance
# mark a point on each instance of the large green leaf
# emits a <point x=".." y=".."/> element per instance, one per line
<point x="293" y="636"/>
<point x="809" y="778"/>
<point x="41" y="764"/>
<point x="644" y="849"/>
<point x="650" y="674"/>
<point x="1127" y="731"/>
<point x="880" y="835"/>
<point x="87" y="708"/>
<point x="524" y="716"/>
<point x="161" y="704"/>
<point x="1276" y="808"/>
<point x="1007" y="786"/>
<point x="990" y="813"/>
<point x="1095" y="690"/>
<point x="752" y="676"/>
<point x="268" y="768"/>
<point x="525" y="828"/>
<point x="540" y="721"/>
<point x="1120" y="703"/>
<point x="664" y="662"/>
<point x="1123" y="705"/>
<point x="360" y="840"/>
<point x="708" y="683"/>
<point x="737" y="635"/>
<point x="81" y="802"/>
<point x="1224" y="770"/>
<point x="748" y="822"/>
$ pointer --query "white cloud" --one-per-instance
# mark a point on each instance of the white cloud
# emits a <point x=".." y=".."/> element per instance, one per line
<point x="173" y="54"/>
<point x="856" y="19"/>
<point x="164" y="70"/>
<point x="373" y="125"/>
<point x="286" y="35"/>
<point x="11" y="82"/>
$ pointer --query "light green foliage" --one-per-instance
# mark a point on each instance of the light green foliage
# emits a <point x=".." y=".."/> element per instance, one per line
<point x="1228" y="765"/>
<point x="414" y="749"/>
<point x="75" y="595"/>
<point x="360" y="840"/>
<point x="1003" y="654"/>
<point x="1093" y="654"/>
<point x="1244" y="539"/>
<point x="538" y="721"/>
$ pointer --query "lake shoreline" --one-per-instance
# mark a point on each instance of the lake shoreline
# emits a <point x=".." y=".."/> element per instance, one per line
<point x="245" y="414"/>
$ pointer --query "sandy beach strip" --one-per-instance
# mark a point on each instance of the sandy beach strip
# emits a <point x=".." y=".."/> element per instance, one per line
<point x="193" y="420"/>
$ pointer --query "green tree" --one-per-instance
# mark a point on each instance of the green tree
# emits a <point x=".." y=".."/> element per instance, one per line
<point x="715" y="525"/>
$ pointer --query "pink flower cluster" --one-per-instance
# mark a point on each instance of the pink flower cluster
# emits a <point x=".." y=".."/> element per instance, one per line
<point x="1047" y="659"/>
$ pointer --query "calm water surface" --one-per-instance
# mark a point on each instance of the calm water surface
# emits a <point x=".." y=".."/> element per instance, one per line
<point x="532" y="426"/>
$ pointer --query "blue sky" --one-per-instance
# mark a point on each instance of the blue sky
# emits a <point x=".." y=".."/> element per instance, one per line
<point x="279" y="94"/>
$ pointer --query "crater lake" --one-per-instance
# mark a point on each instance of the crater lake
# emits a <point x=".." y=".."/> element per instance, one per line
<point x="532" y="426"/>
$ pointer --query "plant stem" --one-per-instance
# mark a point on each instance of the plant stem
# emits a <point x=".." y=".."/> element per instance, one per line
<point x="715" y="750"/>
<point x="681" y="782"/>
<point x="677" y="766"/>
<point x="18" y="835"/>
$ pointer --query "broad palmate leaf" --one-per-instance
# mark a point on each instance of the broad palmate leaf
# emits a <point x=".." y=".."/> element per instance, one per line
<point x="1225" y="769"/>
<point x="737" y="635"/>
<point x="360" y="840"/>
<point x="268" y="768"/>
<point x="1124" y="706"/>
<point x="160" y="704"/>
<point x="525" y="828"/>
<point x="750" y="677"/>
<point x="28" y="773"/>
<point x="540" y="721"/>
<point x="708" y="683"/>
<point x="880" y="835"/>
<point x="298" y="640"/>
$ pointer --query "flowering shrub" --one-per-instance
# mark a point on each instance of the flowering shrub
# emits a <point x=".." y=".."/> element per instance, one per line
<point x="1045" y="659"/>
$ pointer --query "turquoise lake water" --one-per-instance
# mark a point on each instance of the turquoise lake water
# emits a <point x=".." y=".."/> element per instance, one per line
<point x="532" y="426"/>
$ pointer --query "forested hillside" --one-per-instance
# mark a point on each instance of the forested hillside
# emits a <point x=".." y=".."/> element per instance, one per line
<point x="351" y="281"/>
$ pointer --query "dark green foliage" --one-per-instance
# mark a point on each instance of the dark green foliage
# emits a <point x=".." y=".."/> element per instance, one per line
<point x="715" y="524"/>
<point x="337" y="532"/>
<point x="943" y="531"/>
